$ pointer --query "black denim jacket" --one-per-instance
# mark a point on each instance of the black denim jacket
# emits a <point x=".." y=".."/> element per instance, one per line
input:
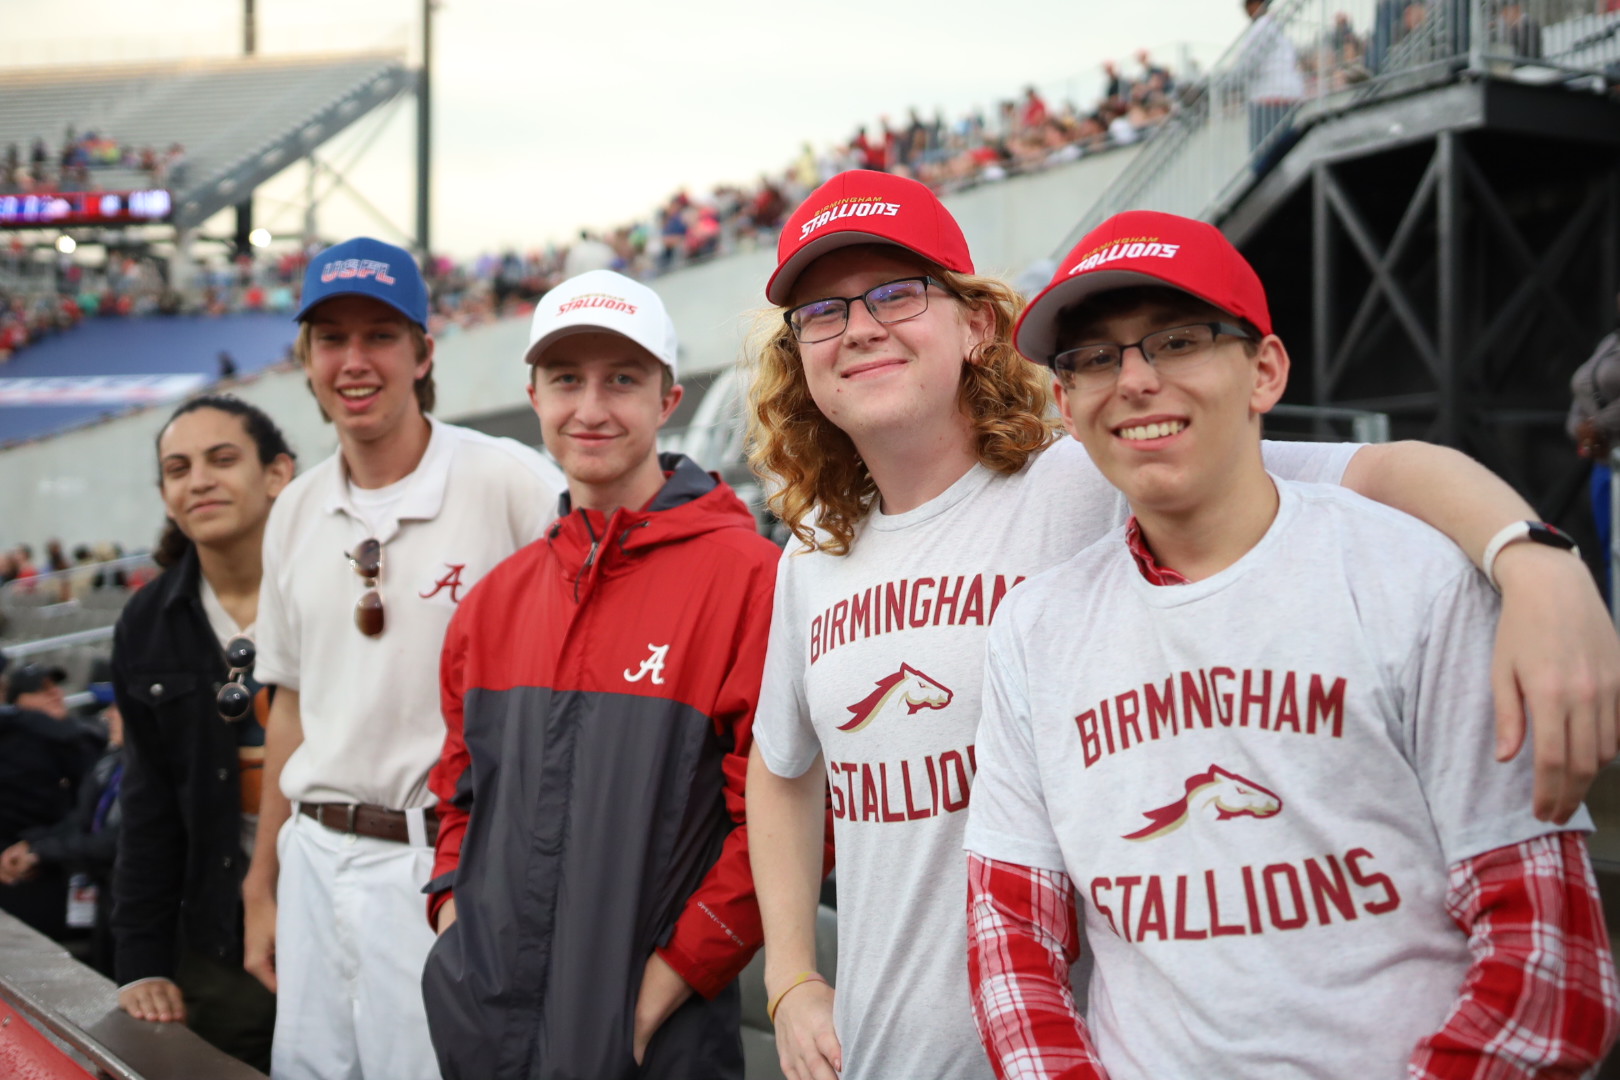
<point x="180" y="863"/>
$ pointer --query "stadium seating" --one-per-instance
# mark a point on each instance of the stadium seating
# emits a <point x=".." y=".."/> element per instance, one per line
<point x="235" y="118"/>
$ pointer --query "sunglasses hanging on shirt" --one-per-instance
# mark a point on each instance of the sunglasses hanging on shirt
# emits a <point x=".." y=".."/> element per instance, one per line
<point x="368" y="610"/>
<point x="234" y="700"/>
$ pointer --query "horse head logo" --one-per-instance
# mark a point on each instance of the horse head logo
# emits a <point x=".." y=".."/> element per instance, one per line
<point x="1225" y="793"/>
<point x="908" y="686"/>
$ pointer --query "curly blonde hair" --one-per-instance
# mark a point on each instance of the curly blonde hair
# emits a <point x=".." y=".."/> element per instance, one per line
<point x="819" y="482"/>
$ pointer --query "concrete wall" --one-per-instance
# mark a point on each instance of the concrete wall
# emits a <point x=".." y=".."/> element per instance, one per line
<point x="99" y="483"/>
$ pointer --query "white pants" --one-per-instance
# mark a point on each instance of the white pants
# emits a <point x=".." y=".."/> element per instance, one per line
<point x="351" y="937"/>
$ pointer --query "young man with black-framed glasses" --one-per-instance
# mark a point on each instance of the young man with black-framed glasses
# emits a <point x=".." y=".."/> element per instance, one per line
<point x="1248" y="732"/>
<point x="366" y="556"/>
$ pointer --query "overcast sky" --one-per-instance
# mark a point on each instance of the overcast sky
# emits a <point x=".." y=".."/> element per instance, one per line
<point x="549" y="117"/>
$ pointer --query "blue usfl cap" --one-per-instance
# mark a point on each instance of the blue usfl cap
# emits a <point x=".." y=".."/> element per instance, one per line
<point x="366" y="267"/>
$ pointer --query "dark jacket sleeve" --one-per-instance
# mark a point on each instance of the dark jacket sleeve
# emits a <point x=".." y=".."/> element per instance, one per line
<point x="70" y="843"/>
<point x="719" y="930"/>
<point x="149" y="874"/>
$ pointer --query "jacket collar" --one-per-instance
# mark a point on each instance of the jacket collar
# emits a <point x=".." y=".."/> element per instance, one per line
<point x="684" y="480"/>
<point x="179" y="583"/>
<point x="424" y="490"/>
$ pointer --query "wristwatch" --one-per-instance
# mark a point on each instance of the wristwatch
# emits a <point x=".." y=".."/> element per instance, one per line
<point x="1538" y="532"/>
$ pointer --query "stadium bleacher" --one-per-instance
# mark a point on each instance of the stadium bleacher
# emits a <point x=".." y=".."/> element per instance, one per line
<point x="240" y="121"/>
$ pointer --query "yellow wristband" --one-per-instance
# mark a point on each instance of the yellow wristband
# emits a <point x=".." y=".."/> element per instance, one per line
<point x="798" y="980"/>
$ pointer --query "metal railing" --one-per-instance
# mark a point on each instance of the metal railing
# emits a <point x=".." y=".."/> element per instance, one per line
<point x="77" y="1010"/>
<point x="1303" y="60"/>
<point x="55" y="612"/>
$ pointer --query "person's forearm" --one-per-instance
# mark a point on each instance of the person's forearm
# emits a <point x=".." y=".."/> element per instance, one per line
<point x="282" y="735"/>
<point x="1540" y="998"/>
<point x="786" y="823"/>
<point x="1440" y="486"/>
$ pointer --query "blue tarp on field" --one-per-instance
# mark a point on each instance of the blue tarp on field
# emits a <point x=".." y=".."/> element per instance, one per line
<point x="173" y="345"/>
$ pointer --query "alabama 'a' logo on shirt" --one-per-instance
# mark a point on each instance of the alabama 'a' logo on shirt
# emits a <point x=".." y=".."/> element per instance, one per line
<point x="1213" y="795"/>
<point x="907" y="687"/>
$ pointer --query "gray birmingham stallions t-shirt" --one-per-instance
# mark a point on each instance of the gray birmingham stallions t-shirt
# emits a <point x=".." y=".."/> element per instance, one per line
<point x="875" y="660"/>
<point x="1258" y="783"/>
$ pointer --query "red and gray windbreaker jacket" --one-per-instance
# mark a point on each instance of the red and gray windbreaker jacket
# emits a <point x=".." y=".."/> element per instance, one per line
<point x="599" y="690"/>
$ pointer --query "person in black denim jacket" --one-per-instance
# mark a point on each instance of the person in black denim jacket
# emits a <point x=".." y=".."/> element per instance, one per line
<point x="191" y="768"/>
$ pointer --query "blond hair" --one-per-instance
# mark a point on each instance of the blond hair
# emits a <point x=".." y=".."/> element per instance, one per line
<point x="820" y="482"/>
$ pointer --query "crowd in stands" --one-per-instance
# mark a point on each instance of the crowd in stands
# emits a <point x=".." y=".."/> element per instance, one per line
<point x="1021" y="135"/>
<point x="63" y="579"/>
<point x="75" y="165"/>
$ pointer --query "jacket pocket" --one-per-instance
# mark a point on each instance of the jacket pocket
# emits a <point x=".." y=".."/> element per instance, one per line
<point x="159" y="688"/>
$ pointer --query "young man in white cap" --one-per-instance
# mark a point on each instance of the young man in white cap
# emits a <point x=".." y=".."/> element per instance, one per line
<point x="592" y="887"/>
<point x="366" y="557"/>
<point x="1247" y="730"/>
<point x="910" y="450"/>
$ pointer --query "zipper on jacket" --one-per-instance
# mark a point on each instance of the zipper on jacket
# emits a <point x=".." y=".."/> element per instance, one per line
<point x="590" y="556"/>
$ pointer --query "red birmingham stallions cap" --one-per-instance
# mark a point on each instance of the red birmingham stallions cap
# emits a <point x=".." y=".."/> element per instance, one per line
<point x="866" y="207"/>
<point x="1144" y="247"/>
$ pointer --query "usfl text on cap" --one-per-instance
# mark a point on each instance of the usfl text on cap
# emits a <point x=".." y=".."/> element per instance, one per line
<point x="366" y="267"/>
<point x="862" y="206"/>
<point x="1144" y="247"/>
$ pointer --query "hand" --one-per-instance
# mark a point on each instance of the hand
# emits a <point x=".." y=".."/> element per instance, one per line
<point x="259" y="936"/>
<point x="806" y="1042"/>
<point x="1558" y="659"/>
<point x="18" y="863"/>
<point x="1589" y="443"/>
<point x="153" y="999"/>
<point x="662" y="992"/>
<point x="447" y="915"/>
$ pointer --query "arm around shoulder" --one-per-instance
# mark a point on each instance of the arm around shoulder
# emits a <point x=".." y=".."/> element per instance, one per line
<point x="1557" y="657"/>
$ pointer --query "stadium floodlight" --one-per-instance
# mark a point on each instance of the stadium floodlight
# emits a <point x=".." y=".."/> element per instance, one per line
<point x="259" y="238"/>
<point x="66" y="244"/>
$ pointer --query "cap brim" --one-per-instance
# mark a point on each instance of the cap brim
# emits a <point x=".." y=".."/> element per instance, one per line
<point x="304" y="311"/>
<point x="532" y="356"/>
<point x="780" y="287"/>
<point x="1035" y="337"/>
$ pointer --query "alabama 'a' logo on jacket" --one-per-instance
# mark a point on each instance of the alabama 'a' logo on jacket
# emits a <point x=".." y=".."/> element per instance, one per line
<point x="1213" y="795"/>
<point x="907" y="687"/>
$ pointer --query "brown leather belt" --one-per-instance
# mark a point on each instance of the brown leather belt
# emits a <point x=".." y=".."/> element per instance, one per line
<point x="362" y="819"/>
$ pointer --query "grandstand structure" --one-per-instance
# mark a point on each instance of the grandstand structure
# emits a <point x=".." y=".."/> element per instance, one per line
<point x="219" y="128"/>
<point x="240" y="121"/>
<point x="1436" y="215"/>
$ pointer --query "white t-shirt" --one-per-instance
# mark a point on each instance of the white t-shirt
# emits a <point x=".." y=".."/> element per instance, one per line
<point x="370" y="706"/>
<point x="251" y="752"/>
<point x="875" y="659"/>
<point x="1257" y="782"/>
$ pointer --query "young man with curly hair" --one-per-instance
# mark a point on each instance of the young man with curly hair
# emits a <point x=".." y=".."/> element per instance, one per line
<point x="1245" y="732"/>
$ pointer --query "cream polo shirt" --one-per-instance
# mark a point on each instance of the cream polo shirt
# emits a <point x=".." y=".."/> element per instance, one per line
<point x="370" y="706"/>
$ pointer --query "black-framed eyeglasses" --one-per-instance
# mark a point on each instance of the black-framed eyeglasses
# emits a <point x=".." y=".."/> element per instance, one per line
<point x="1177" y="348"/>
<point x="234" y="699"/>
<point x="368" y="610"/>
<point x="891" y="302"/>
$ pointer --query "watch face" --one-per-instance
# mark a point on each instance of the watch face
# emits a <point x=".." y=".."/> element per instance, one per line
<point x="1543" y="533"/>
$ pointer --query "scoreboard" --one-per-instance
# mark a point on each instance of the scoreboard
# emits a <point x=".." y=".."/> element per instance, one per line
<point x="51" y="209"/>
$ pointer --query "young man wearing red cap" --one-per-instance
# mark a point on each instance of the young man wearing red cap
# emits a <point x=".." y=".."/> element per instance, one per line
<point x="592" y="886"/>
<point x="911" y="454"/>
<point x="366" y="556"/>
<point x="1247" y="729"/>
